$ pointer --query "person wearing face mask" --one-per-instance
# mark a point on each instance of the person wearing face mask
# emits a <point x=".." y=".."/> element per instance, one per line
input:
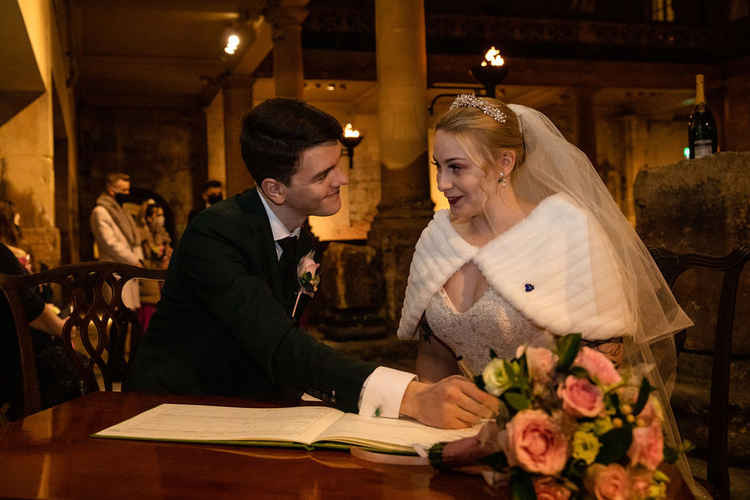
<point x="157" y="249"/>
<point x="210" y="194"/>
<point x="116" y="233"/>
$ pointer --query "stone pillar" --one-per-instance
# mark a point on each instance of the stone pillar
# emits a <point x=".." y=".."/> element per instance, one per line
<point x="238" y="100"/>
<point x="635" y="157"/>
<point x="27" y="148"/>
<point x="286" y="17"/>
<point x="586" y="123"/>
<point x="405" y="205"/>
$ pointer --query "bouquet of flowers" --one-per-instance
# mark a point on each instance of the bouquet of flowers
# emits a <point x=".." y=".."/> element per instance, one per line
<point x="571" y="426"/>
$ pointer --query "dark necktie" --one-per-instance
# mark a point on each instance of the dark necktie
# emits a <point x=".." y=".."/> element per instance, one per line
<point x="288" y="266"/>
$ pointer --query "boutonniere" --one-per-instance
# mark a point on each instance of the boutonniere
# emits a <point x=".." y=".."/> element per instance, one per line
<point x="307" y="277"/>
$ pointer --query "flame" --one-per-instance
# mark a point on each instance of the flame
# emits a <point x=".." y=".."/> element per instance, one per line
<point x="233" y="41"/>
<point x="350" y="132"/>
<point x="493" y="57"/>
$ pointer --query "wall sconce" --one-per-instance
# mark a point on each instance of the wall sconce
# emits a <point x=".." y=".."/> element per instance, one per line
<point x="351" y="140"/>
<point x="490" y="72"/>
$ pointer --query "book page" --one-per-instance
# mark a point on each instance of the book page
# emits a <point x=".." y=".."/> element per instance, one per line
<point x="175" y="422"/>
<point x="389" y="433"/>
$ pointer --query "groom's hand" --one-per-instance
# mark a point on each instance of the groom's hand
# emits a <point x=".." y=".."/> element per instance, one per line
<point x="452" y="403"/>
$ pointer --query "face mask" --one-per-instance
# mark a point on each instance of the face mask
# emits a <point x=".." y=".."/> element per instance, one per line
<point x="121" y="198"/>
<point x="214" y="198"/>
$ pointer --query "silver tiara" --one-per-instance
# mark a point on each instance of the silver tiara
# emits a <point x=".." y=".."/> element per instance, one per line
<point x="470" y="101"/>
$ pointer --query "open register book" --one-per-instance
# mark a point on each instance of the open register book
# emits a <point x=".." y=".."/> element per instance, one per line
<point x="301" y="426"/>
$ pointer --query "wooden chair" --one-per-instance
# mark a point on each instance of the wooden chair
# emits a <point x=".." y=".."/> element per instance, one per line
<point x="84" y="287"/>
<point x="672" y="265"/>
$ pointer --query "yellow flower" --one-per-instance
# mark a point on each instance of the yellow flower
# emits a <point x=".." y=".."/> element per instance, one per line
<point x="602" y="425"/>
<point x="658" y="490"/>
<point x="585" y="446"/>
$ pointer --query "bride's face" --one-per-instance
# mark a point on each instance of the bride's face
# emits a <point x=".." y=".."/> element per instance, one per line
<point x="461" y="180"/>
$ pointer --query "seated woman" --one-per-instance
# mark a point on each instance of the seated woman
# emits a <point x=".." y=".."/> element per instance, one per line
<point x="59" y="379"/>
<point x="533" y="247"/>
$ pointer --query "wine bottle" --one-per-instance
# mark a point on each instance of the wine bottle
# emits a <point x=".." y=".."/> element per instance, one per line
<point x="701" y="125"/>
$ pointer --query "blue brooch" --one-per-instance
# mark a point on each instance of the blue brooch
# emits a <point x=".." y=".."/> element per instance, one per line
<point x="529" y="287"/>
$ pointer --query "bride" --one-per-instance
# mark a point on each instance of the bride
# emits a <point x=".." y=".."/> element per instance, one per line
<point x="533" y="246"/>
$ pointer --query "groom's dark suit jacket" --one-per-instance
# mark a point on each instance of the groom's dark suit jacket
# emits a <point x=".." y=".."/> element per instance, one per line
<point x="223" y="325"/>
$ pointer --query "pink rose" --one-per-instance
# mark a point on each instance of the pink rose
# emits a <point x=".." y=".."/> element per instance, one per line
<point x="608" y="482"/>
<point x="650" y="413"/>
<point x="640" y="480"/>
<point x="536" y="443"/>
<point x="647" y="447"/>
<point x="598" y="365"/>
<point x="547" y="488"/>
<point x="580" y="397"/>
<point x="540" y="361"/>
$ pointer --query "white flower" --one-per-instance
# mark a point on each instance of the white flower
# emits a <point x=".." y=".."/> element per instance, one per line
<point x="496" y="379"/>
<point x="307" y="274"/>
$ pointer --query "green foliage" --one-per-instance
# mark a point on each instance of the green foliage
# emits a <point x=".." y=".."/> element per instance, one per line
<point x="615" y="444"/>
<point x="567" y="350"/>
<point x="575" y="470"/>
<point x="521" y="486"/>
<point x="497" y="461"/>
<point x="643" y="392"/>
<point x="517" y="401"/>
<point x="670" y="454"/>
<point x="479" y="381"/>
<point x="579" y="372"/>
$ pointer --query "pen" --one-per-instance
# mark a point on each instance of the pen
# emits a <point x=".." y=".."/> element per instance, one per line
<point x="465" y="370"/>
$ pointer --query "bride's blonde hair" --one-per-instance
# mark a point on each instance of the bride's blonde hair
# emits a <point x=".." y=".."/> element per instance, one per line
<point x="481" y="136"/>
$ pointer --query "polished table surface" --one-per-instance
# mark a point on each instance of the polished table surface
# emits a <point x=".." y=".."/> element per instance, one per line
<point x="50" y="455"/>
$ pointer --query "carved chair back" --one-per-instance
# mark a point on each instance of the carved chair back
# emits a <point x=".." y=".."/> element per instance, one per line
<point x="672" y="265"/>
<point x="108" y="330"/>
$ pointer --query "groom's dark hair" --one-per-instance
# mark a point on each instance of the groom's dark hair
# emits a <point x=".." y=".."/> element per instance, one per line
<point x="276" y="131"/>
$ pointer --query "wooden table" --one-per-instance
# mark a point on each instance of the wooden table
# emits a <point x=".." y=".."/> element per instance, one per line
<point x="50" y="455"/>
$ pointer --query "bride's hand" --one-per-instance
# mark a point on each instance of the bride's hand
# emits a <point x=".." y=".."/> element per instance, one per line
<point x="453" y="403"/>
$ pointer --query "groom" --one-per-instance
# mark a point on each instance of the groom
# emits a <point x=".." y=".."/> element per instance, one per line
<point x="223" y="325"/>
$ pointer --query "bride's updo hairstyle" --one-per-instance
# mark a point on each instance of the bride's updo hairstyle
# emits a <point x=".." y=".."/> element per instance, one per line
<point x="483" y="127"/>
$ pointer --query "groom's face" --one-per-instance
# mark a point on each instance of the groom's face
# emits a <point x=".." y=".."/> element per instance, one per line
<point x="314" y="189"/>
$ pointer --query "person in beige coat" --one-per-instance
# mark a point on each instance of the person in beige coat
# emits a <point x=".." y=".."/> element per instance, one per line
<point x="115" y="232"/>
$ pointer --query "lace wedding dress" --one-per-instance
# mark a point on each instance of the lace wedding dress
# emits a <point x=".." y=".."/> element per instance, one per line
<point x="490" y="323"/>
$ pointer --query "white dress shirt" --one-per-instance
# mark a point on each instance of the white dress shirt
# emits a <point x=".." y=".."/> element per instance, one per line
<point x="384" y="389"/>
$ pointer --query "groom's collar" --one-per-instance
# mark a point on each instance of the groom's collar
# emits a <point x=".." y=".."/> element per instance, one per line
<point x="278" y="228"/>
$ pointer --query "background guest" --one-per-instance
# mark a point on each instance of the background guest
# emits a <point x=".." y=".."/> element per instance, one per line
<point x="157" y="249"/>
<point x="116" y="233"/>
<point x="210" y="194"/>
<point x="59" y="378"/>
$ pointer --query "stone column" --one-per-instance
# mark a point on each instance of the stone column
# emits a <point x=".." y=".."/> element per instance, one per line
<point x="238" y="100"/>
<point x="405" y="205"/>
<point x="635" y="158"/>
<point x="286" y="17"/>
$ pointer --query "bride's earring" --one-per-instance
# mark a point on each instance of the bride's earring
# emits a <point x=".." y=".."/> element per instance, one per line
<point x="502" y="180"/>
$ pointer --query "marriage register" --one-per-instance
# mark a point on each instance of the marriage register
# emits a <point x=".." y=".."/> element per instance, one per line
<point x="301" y="426"/>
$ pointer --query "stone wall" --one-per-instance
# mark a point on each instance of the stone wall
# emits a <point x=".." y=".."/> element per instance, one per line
<point x="701" y="206"/>
<point x="163" y="150"/>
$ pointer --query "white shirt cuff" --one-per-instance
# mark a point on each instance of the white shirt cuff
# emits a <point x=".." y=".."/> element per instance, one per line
<point x="383" y="391"/>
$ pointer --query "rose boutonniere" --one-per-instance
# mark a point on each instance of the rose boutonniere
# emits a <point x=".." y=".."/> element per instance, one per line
<point x="307" y="277"/>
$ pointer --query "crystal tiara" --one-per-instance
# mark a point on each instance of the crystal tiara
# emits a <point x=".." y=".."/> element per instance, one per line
<point x="470" y="101"/>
